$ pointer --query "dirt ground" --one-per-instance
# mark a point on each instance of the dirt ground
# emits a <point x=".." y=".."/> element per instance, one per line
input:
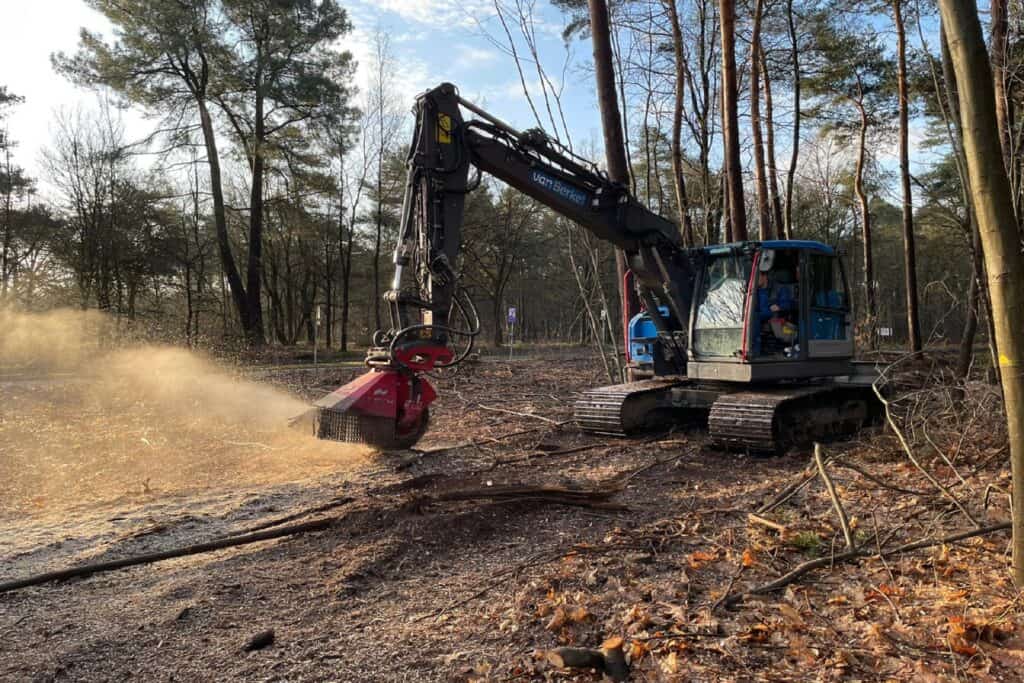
<point x="405" y="586"/>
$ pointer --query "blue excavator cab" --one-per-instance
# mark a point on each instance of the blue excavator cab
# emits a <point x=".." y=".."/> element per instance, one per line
<point x="761" y="311"/>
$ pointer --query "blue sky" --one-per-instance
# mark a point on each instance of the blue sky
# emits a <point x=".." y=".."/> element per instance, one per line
<point x="432" y="41"/>
<point x="461" y="41"/>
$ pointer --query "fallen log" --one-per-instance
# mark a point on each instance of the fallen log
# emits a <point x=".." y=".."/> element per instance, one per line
<point x="609" y="659"/>
<point x="555" y="495"/>
<point x="551" y="495"/>
<point x="148" y="558"/>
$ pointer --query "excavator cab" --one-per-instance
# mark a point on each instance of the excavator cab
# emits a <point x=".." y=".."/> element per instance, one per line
<point x="761" y="311"/>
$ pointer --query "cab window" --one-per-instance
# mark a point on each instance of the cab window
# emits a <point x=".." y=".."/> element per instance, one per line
<point x="828" y="298"/>
<point x="718" y="328"/>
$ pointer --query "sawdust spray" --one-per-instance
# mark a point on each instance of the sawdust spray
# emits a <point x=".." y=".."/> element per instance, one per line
<point x="82" y="423"/>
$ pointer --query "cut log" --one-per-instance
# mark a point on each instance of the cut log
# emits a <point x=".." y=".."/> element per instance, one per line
<point x="609" y="659"/>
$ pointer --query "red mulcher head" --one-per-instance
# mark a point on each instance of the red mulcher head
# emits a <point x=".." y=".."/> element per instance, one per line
<point x="385" y="408"/>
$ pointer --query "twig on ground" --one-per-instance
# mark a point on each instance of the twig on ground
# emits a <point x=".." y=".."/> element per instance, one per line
<point x="820" y="562"/>
<point x="329" y="505"/>
<point x="836" y="503"/>
<point x="806" y="476"/>
<point x="753" y="518"/>
<point x="867" y="475"/>
<point x="910" y="454"/>
<point x="519" y="414"/>
<point x="544" y="454"/>
<point x="728" y="589"/>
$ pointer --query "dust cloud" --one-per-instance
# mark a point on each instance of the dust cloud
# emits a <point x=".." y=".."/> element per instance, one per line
<point x="83" y="423"/>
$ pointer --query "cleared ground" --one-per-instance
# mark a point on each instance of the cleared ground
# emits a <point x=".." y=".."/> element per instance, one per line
<point x="408" y="586"/>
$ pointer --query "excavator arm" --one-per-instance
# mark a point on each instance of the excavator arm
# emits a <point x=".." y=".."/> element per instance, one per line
<point x="431" y="315"/>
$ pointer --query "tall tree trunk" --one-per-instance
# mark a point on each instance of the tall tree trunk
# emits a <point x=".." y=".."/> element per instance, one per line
<point x="726" y="213"/>
<point x="611" y="125"/>
<point x="974" y="291"/>
<point x="497" y="319"/>
<point x="731" y="125"/>
<point x="865" y="229"/>
<point x="227" y="259"/>
<point x="5" y="254"/>
<point x="254" y="274"/>
<point x="710" y="194"/>
<point x="999" y="48"/>
<point x="773" y="169"/>
<point x="760" y="174"/>
<point x="966" y="352"/>
<point x="1000" y="31"/>
<point x="909" y="251"/>
<point x="795" y="147"/>
<point x="346" y="286"/>
<point x="990" y="189"/>
<point x="380" y="225"/>
<point x="678" y="177"/>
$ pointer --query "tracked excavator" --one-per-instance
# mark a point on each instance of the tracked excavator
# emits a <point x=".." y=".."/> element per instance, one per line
<point x="754" y="336"/>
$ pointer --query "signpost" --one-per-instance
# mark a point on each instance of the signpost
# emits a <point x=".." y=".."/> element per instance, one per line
<point x="316" y="333"/>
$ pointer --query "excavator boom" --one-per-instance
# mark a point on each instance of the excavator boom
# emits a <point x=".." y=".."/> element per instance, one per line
<point x="430" y="315"/>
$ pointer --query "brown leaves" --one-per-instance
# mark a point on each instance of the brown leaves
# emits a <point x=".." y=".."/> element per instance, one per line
<point x="757" y="633"/>
<point x="700" y="558"/>
<point x="791" y="615"/>
<point x="963" y="634"/>
<point x="883" y="591"/>
<point x="567" y="614"/>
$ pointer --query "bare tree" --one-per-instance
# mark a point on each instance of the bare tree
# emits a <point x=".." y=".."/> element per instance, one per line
<point x="909" y="249"/>
<point x="760" y="175"/>
<point x="385" y="119"/>
<point x="794" y="153"/>
<point x="730" y="123"/>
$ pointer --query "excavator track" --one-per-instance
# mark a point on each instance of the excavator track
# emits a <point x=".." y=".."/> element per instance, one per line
<point x="624" y="409"/>
<point x="774" y="420"/>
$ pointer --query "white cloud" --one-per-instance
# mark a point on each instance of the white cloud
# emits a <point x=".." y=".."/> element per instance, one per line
<point x="473" y="57"/>
<point x="411" y="73"/>
<point x="513" y="89"/>
<point x="437" y="13"/>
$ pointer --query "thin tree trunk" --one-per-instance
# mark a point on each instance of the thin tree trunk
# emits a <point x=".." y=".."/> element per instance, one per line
<point x="909" y="250"/>
<point x="795" y="146"/>
<point x="760" y="174"/>
<point x="999" y="48"/>
<point x="678" y="177"/>
<point x="227" y="260"/>
<point x="974" y="290"/>
<point x="966" y="352"/>
<point x="773" y="171"/>
<point x="1000" y="29"/>
<point x="380" y="223"/>
<point x="731" y="125"/>
<point x="865" y="229"/>
<point x="990" y="189"/>
<point x="611" y="125"/>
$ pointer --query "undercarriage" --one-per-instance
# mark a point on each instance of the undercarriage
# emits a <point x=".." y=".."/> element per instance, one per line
<point x="770" y="418"/>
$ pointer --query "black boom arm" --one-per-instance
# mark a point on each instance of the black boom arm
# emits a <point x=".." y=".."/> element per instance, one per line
<point x="444" y="147"/>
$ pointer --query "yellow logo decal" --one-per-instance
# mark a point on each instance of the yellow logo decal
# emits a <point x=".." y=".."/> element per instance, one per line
<point x="444" y="129"/>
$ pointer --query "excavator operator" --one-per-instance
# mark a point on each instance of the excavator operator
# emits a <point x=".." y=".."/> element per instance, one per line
<point x="775" y="306"/>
